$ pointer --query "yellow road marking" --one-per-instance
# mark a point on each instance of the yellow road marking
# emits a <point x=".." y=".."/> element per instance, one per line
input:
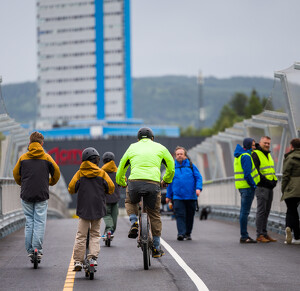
<point x="69" y="282"/>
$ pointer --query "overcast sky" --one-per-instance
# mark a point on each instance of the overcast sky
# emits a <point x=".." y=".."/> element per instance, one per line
<point x="221" y="38"/>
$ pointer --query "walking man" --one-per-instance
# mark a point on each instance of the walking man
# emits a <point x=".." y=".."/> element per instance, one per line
<point x="184" y="192"/>
<point x="246" y="178"/>
<point x="264" y="192"/>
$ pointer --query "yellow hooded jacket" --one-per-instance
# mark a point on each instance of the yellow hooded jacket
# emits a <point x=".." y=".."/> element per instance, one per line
<point x="91" y="183"/>
<point x="34" y="172"/>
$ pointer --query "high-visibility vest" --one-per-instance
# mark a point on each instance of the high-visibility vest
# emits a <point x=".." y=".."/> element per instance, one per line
<point x="239" y="177"/>
<point x="266" y="167"/>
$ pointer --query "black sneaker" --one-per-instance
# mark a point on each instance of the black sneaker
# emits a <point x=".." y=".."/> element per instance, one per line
<point x="180" y="237"/>
<point x="247" y="240"/>
<point x="157" y="254"/>
<point x="133" y="232"/>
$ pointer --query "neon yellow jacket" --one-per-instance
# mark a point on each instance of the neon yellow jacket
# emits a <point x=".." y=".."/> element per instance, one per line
<point x="145" y="158"/>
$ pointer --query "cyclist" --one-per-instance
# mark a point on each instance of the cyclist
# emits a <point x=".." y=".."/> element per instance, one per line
<point x="145" y="158"/>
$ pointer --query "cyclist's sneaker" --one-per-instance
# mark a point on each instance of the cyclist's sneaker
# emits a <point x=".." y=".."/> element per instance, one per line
<point x="162" y="252"/>
<point x="39" y="256"/>
<point x="77" y="266"/>
<point x="133" y="232"/>
<point x="104" y="236"/>
<point x="157" y="254"/>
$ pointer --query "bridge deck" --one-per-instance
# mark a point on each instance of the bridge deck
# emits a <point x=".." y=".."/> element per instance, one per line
<point x="214" y="254"/>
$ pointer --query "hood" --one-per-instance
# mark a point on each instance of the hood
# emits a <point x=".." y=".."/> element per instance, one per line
<point x="110" y="167"/>
<point x="295" y="154"/>
<point x="35" y="150"/>
<point x="239" y="150"/>
<point x="89" y="169"/>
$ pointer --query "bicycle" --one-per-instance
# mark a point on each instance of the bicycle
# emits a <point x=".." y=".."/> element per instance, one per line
<point x="145" y="239"/>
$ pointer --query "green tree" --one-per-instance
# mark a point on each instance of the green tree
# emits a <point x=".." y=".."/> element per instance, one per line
<point x="238" y="103"/>
<point x="254" y="106"/>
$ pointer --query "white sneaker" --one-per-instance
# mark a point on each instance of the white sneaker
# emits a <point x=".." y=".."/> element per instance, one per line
<point x="288" y="235"/>
<point x="295" y="241"/>
<point x="77" y="266"/>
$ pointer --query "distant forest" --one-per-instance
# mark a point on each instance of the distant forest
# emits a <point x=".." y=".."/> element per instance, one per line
<point x="168" y="100"/>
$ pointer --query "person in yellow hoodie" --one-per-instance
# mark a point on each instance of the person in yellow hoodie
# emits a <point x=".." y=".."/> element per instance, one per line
<point x="112" y="207"/>
<point x="92" y="184"/>
<point x="32" y="173"/>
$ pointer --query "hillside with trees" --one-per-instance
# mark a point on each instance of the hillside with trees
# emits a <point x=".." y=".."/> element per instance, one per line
<point x="168" y="100"/>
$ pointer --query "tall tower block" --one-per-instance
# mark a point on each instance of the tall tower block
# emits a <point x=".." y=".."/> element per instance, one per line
<point x="84" y="70"/>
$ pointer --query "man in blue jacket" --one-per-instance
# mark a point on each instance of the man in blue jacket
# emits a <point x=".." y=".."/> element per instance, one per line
<point x="184" y="191"/>
<point x="246" y="178"/>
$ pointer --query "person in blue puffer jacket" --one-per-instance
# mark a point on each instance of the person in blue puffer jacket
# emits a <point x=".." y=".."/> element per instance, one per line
<point x="184" y="191"/>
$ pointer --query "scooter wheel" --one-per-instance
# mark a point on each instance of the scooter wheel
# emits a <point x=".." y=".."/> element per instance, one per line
<point x="91" y="276"/>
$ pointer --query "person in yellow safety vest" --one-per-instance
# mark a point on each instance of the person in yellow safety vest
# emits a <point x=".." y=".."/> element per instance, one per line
<point x="246" y="178"/>
<point x="264" y="192"/>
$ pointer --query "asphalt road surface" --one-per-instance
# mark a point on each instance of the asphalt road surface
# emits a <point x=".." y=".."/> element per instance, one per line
<point x="213" y="260"/>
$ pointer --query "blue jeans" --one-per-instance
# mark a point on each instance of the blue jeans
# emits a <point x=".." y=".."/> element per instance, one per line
<point x="36" y="215"/>
<point x="184" y="214"/>
<point x="247" y="196"/>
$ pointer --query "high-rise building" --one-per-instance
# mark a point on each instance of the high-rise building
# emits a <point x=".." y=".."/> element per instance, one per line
<point x="84" y="60"/>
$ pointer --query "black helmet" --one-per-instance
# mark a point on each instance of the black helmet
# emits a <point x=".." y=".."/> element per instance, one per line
<point x="88" y="153"/>
<point x="145" y="132"/>
<point x="107" y="157"/>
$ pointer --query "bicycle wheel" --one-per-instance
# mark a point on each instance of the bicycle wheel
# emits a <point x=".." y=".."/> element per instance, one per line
<point x="145" y="240"/>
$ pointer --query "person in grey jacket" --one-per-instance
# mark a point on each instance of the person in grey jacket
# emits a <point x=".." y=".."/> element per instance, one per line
<point x="290" y="188"/>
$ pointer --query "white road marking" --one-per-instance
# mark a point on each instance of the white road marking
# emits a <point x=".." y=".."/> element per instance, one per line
<point x="194" y="277"/>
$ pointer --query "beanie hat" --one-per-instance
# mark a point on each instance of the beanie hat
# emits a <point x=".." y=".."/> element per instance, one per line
<point x="247" y="143"/>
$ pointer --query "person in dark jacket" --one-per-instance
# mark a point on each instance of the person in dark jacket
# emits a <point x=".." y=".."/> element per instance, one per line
<point x="32" y="173"/>
<point x="184" y="191"/>
<point x="91" y="183"/>
<point x="264" y="192"/>
<point x="246" y="178"/>
<point x="290" y="188"/>
<point x="112" y="207"/>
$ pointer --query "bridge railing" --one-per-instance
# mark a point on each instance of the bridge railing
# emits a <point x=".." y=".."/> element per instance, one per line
<point x="225" y="202"/>
<point x="13" y="142"/>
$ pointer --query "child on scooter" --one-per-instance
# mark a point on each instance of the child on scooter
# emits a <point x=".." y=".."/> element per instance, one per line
<point x="112" y="207"/>
<point x="91" y="183"/>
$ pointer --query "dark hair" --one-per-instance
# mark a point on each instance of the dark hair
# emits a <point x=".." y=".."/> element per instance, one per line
<point x="295" y="143"/>
<point x="36" y="137"/>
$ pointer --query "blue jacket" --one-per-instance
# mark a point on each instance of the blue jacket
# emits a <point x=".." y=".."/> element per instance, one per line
<point x="185" y="182"/>
<point x="246" y="164"/>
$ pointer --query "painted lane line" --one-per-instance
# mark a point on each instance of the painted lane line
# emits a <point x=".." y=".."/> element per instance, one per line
<point x="194" y="277"/>
<point x="69" y="282"/>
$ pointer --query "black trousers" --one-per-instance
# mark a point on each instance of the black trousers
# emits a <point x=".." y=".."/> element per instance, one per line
<point x="292" y="215"/>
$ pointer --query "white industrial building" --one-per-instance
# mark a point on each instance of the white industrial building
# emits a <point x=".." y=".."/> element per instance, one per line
<point x="83" y="60"/>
